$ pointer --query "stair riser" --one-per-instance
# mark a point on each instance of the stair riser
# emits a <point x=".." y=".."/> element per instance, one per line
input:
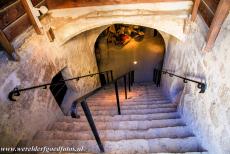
<point x="157" y="116"/>
<point x="139" y="146"/>
<point x="130" y="125"/>
<point x="110" y="135"/>
<point x="114" y="103"/>
<point x="128" y="112"/>
<point x="131" y="107"/>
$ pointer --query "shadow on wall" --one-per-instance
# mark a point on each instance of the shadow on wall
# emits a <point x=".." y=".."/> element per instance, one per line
<point x="125" y="47"/>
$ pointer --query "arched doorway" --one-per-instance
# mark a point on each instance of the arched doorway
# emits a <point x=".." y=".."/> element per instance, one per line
<point x="123" y="47"/>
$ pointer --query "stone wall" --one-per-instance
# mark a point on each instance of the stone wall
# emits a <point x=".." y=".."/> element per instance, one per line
<point x="40" y="61"/>
<point x="208" y="114"/>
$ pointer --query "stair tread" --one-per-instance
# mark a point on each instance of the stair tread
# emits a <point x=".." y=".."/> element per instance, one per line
<point x="188" y="144"/>
<point x="138" y="106"/>
<point x="130" y="117"/>
<point x="132" y="111"/>
<point x="167" y="132"/>
<point x="143" y="125"/>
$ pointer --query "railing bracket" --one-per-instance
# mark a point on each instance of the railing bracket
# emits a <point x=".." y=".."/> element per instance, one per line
<point x="202" y="87"/>
<point x="16" y="91"/>
<point x="13" y="93"/>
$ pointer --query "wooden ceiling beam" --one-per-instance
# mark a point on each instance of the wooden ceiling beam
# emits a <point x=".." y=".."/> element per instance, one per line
<point x="195" y="10"/>
<point x="33" y="18"/>
<point x="219" y="17"/>
<point x="60" y="4"/>
<point x="7" y="46"/>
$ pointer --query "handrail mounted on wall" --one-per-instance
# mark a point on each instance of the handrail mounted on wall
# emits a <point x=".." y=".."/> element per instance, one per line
<point x="202" y="86"/>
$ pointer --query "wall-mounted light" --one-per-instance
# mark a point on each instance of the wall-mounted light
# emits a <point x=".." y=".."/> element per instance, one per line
<point x="134" y="62"/>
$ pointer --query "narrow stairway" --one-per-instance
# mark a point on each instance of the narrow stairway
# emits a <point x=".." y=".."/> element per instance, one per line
<point x="149" y="123"/>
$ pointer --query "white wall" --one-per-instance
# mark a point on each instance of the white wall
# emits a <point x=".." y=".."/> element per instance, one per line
<point x="208" y="114"/>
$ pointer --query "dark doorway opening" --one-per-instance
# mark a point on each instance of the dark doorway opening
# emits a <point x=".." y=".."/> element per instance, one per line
<point x="58" y="88"/>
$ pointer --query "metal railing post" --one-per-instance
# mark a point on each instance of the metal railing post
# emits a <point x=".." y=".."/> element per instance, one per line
<point x="154" y="76"/>
<point x="111" y="73"/>
<point x="107" y="77"/>
<point x="129" y="81"/>
<point x="132" y="77"/>
<point x="92" y="125"/>
<point x="125" y="87"/>
<point x="117" y="97"/>
<point x="157" y="78"/>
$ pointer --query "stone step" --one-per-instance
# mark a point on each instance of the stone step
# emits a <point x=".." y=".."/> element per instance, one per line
<point x="125" y="102"/>
<point x="118" y="125"/>
<point x="133" y="92"/>
<point x="112" y="94"/>
<point x="146" y="99"/>
<point x="155" y="116"/>
<point x="149" y="124"/>
<point x="129" y="98"/>
<point x="116" y="135"/>
<point x="140" y="146"/>
<point x="154" y="145"/>
<point x="130" y="111"/>
<point x="132" y="107"/>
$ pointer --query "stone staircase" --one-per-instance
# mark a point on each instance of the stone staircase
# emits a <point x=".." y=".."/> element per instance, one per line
<point x="149" y="124"/>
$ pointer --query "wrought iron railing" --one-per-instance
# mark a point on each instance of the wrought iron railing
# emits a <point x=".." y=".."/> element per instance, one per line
<point x="157" y="75"/>
<point x="130" y="83"/>
<point x="82" y="100"/>
<point x="16" y="91"/>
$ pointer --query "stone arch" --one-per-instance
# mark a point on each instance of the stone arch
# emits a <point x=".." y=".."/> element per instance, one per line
<point x="154" y="16"/>
<point x="177" y="31"/>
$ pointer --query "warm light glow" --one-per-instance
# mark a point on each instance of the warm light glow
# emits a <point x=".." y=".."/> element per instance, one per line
<point x="135" y="62"/>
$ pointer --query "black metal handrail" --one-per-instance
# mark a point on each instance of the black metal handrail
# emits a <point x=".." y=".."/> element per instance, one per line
<point x="130" y="80"/>
<point x="16" y="91"/>
<point x="202" y="86"/>
<point x="86" y="109"/>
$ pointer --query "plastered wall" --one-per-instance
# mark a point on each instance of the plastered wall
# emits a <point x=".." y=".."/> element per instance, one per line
<point x="208" y="114"/>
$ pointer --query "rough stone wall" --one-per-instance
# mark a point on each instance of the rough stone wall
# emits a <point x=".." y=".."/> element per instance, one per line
<point x="40" y="61"/>
<point x="208" y="114"/>
<point x="148" y="53"/>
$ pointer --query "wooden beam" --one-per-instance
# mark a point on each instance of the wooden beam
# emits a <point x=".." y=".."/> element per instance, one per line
<point x="219" y="17"/>
<point x="206" y="13"/>
<point x="11" y="13"/>
<point x="212" y="4"/>
<point x="6" y="45"/>
<point x="30" y="12"/>
<point x="60" y="4"/>
<point x="17" y="27"/>
<point x="195" y="10"/>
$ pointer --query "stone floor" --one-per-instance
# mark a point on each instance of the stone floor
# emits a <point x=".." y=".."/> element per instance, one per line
<point x="149" y="123"/>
